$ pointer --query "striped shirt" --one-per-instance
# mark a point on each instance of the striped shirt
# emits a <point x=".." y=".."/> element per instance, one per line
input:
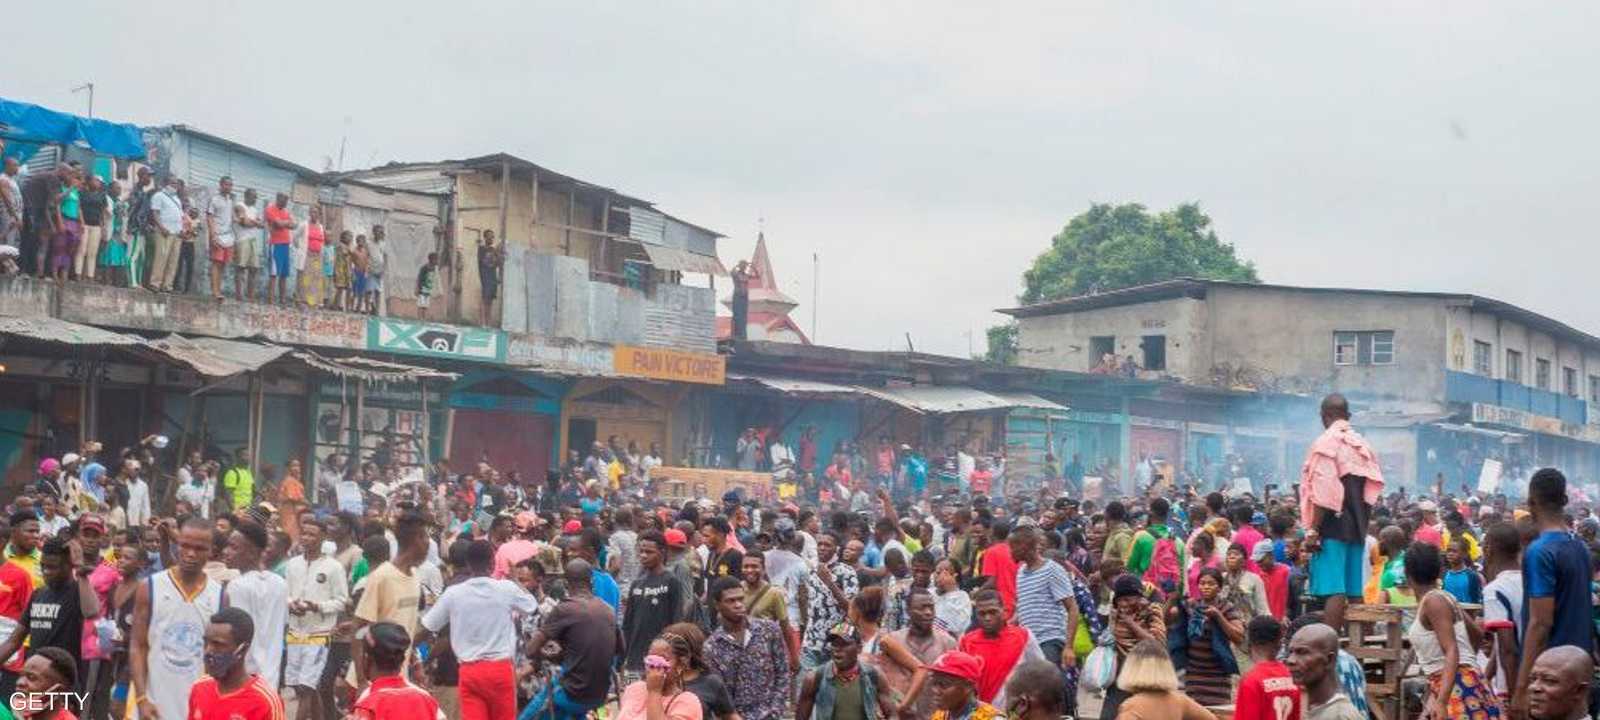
<point x="1039" y="596"/>
<point x="252" y="701"/>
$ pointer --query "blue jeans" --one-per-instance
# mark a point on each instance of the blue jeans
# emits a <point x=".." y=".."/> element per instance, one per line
<point x="552" y="703"/>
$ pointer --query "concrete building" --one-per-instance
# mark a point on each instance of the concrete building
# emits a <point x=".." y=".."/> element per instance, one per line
<point x="1441" y="381"/>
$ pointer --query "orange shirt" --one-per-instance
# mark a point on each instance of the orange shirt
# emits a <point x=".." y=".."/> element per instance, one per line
<point x="253" y="701"/>
<point x="274" y="215"/>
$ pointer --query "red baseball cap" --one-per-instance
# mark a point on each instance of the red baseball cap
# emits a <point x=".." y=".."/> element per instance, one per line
<point x="959" y="664"/>
<point x="89" y="521"/>
<point x="676" y="538"/>
<point x="573" y="527"/>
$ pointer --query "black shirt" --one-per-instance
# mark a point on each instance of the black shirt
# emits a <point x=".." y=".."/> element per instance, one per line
<point x="715" y="701"/>
<point x="725" y="565"/>
<point x="92" y="206"/>
<point x="586" y="629"/>
<point x="1350" y="525"/>
<point x="654" y="602"/>
<point x="55" y="619"/>
<point x="488" y="265"/>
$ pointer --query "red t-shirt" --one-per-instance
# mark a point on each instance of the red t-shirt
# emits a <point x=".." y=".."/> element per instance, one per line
<point x="273" y="215"/>
<point x="1247" y="537"/>
<point x="997" y="563"/>
<point x="392" y="698"/>
<point x="314" y="238"/>
<point x="253" y="701"/>
<point x="16" y="588"/>
<point x="1277" y="582"/>
<point x="999" y="653"/>
<point x="1267" y="693"/>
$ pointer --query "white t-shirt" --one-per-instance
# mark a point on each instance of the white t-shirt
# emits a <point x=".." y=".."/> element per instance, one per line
<point x="1502" y="600"/>
<point x="266" y="597"/>
<point x="478" y="612"/>
<point x="220" y="212"/>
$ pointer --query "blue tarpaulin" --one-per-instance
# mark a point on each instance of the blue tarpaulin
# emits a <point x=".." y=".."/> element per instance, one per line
<point x="33" y="124"/>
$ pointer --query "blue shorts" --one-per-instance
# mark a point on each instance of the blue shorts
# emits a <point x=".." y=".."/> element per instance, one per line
<point x="1339" y="568"/>
<point x="553" y="703"/>
<point x="279" y="265"/>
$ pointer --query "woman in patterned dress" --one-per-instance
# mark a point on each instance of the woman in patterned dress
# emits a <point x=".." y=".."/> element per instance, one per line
<point x="1444" y="642"/>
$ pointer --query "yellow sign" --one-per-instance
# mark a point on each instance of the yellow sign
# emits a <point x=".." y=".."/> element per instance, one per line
<point x="664" y="364"/>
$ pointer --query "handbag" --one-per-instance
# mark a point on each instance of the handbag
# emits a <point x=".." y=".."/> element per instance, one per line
<point x="1100" y="668"/>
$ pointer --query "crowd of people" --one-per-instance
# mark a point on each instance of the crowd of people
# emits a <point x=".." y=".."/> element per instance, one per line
<point x="372" y="592"/>
<point x="70" y="223"/>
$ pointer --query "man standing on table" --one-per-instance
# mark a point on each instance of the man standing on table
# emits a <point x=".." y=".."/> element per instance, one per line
<point x="1339" y="484"/>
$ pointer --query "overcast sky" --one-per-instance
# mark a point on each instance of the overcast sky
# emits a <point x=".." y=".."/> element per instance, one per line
<point x="927" y="151"/>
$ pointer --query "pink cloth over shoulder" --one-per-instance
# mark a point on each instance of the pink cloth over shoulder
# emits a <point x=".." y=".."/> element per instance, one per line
<point x="1338" y="452"/>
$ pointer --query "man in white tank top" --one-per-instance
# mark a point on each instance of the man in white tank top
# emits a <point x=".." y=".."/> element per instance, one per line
<point x="171" y="610"/>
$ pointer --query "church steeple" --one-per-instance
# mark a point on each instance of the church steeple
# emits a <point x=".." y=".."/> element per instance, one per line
<point x="769" y="306"/>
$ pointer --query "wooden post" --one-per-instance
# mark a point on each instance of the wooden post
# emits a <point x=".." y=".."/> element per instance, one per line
<point x="254" y="435"/>
<point x="566" y="242"/>
<point x="361" y="406"/>
<point x="83" y="403"/>
<point x="533" y="225"/>
<point x="605" y="238"/>
<point x="449" y="428"/>
<point x="425" y="438"/>
<point x="505" y="195"/>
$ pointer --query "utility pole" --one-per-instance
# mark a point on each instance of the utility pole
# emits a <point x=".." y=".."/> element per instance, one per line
<point x="816" y="280"/>
<point x="90" y="87"/>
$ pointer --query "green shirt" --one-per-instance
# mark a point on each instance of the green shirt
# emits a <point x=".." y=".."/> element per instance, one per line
<point x="1119" y="545"/>
<point x="242" y="485"/>
<point x="1394" y="573"/>
<point x="1144" y="547"/>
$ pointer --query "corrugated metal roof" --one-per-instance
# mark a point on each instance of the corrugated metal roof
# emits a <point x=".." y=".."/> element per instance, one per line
<point x="371" y="370"/>
<point x="61" y="332"/>
<point x="670" y="258"/>
<point x="217" y="357"/>
<point x="935" y="399"/>
<point x="940" y="399"/>
<point x="794" y="386"/>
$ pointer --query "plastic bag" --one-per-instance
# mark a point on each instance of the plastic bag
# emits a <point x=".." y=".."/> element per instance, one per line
<point x="1099" y="669"/>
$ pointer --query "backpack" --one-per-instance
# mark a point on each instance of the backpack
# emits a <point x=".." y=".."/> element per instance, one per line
<point x="1163" y="571"/>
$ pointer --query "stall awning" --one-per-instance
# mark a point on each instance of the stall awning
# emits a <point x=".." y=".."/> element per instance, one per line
<point x="940" y="399"/>
<point x="61" y="332"/>
<point x="795" y="386"/>
<point x="369" y="370"/>
<point x="216" y="357"/>
<point x="1501" y="435"/>
<point x="31" y="123"/>
<point x="671" y="258"/>
<point x="933" y="399"/>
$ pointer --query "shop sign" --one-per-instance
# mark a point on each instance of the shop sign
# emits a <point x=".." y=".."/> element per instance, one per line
<point x="1486" y="414"/>
<point x="434" y="340"/>
<point x="664" y="364"/>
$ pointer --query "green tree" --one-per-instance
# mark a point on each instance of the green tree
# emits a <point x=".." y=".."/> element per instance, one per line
<point x="1115" y="246"/>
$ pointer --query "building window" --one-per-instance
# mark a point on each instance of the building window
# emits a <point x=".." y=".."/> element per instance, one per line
<point x="1099" y="347"/>
<point x="1569" y="381"/>
<point x="1514" y="366"/>
<point x="1366" y="347"/>
<point x="1541" y="374"/>
<point x="1155" y="352"/>
<point x="1482" y="358"/>
<point x="1594" y="389"/>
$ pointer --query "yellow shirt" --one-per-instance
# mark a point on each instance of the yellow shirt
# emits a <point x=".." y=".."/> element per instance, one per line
<point x="29" y="562"/>
<point x="1472" y="544"/>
